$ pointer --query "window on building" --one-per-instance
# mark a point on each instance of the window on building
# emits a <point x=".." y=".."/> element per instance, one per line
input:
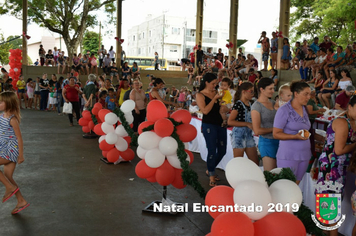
<point x="143" y="35"/>
<point x="139" y="51"/>
<point x="150" y="33"/>
<point x="173" y="48"/>
<point x="139" y="36"/>
<point x="175" y="30"/>
<point x="149" y="50"/>
<point x="133" y="37"/>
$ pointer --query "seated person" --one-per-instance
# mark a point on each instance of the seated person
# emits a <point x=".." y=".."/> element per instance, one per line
<point x="49" y="58"/>
<point x="106" y="64"/>
<point x="349" y="61"/>
<point x="319" y="61"/>
<point x="114" y="72"/>
<point x="343" y="98"/>
<point x="336" y="61"/>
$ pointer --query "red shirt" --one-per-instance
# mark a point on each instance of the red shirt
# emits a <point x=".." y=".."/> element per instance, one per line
<point x="252" y="78"/>
<point x="72" y="93"/>
<point x="102" y="101"/>
<point x="343" y="100"/>
<point x="218" y="64"/>
<point x="192" y="57"/>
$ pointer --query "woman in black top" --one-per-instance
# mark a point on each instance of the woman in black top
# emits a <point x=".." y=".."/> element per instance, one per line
<point x="215" y="135"/>
<point x="307" y="62"/>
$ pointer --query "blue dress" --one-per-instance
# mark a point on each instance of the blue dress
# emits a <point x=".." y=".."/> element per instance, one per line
<point x="285" y="53"/>
<point x="9" y="148"/>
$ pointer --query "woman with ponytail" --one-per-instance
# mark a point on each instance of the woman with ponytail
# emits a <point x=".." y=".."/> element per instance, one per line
<point x="241" y="137"/>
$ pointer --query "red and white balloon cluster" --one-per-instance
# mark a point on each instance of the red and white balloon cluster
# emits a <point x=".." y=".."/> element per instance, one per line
<point x="249" y="188"/>
<point x="158" y="150"/>
<point x="15" y="65"/>
<point x="114" y="141"/>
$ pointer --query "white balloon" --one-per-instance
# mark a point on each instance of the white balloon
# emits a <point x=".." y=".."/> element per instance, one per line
<point x="111" y="118"/>
<point x="107" y="128"/>
<point x="241" y="169"/>
<point x="129" y="118"/>
<point x="141" y="152"/>
<point x="121" y="144"/>
<point x="148" y="140"/>
<point x="127" y="106"/>
<point x="253" y="193"/>
<point x="102" y="137"/>
<point x="175" y="162"/>
<point x="154" y="158"/>
<point x="286" y="192"/>
<point x="168" y="146"/>
<point x="16" y="69"/>
<point x="111" y="138"/>
<point x="120" y="130"/>
<point x="276" y="171"/>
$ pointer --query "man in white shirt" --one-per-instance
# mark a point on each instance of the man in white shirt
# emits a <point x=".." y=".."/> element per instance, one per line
<point x="102" y="52"/>
<point x="106" y="64"/>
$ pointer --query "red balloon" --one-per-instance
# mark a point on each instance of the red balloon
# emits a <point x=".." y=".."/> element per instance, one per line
<point x="99" y="121"/>
<point x="98" y="105"/>
<point x="128" y="155"/>
<point x="191" y="156"/>
<point x="113" y="155"/>
<point x="219" y="195"/>
<point x="286" y="222"/>
<point x="86" y="115"/>
<point x="95" y="111"/>
<point x="143" y="171"/>
<point x="104" y="146"/>
<point x="234" y="223"/>
<point x="163" y="127"/>
<point x="186" y="132"/>
<point x="178" y="181"/>
<point x="104" y="153"/>
<point x="156" y="110"/>
<point x="98" y="130"/>
<point x="152" y="179"/>
<point x="91" y="125"/>
<point x="143" y="125"/>
<point x="209" y="234"/>
<point x="128" y="140"/>
<point x="83" y="122"/>
<point x="102" y="113"/>
<point x="86" y="129"/>
<point x="165" y="174"/>
<point x="182" y="116"/>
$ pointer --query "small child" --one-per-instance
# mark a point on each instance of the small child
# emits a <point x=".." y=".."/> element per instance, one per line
<point x="189" y="98"/>
<point x="194" y="93"/>
<point x="30" y="92"/>
<point x="52" y="99"/>
<point x="225" y="103"/>
<point x="102" y="97"/>
<point x="181" y="98"/>
<point x="11" y="146"/>
<point x="251" y="75"/>
<point x="110" y="100"/>
<point x="114" y="72"/>
<point x="284" y="96"/>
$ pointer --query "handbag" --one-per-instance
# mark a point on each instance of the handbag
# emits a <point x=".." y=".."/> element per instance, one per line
<point x="67" y="108"/>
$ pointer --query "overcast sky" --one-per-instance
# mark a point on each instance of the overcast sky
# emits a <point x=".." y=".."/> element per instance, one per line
<point x="254" y="17"/>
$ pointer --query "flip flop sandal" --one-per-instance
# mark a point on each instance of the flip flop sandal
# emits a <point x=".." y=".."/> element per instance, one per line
<point x="216" y="176"/>
<point x="20" y="208"/>
<point x="4" y="199"/>
<point x="212" y="184"/>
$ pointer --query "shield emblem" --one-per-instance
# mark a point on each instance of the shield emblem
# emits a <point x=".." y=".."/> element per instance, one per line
<point x="328" y="207"/>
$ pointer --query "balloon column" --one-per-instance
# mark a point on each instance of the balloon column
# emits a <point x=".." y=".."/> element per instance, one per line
<point x="15" y="65"/>
<point x="158" y="148"/>
<point x="114" y="141"/>
<point x="251" y="199"/>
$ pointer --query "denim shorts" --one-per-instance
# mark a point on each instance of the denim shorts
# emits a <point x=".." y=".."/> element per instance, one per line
<point x="268" y="147"/>
<point x="21" y="90"/>
<point x="241" y="137"/>
<point x="265" y="56"/>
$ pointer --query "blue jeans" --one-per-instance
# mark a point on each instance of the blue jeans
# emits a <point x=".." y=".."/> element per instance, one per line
<point x="303" y="72"/>
<point x="44" y="99"/>
<point x="215" y="138"/>
<point x="59" y="102"/>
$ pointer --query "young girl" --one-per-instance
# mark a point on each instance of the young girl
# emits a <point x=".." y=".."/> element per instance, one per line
<point x="284" y="96"/>
<point x="30" y="92"/>
<point x="11" y="148"/>
<point x="190" y="73"/>
<point x="242" y="138"/>
<point x="189" y="98"/>
<point x="286" y="57"/>
<point x="181" y="98"/>
<point x="52" y="99"/>
<point x="21" y="84"/>
<point x="37" y="93"/>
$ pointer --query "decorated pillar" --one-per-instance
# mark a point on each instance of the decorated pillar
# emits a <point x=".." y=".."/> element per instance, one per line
<point x="284" y="14"/>
<point x="118" y="34"/>
<point x="234" y="13"/>
<point x="199" y="26"/>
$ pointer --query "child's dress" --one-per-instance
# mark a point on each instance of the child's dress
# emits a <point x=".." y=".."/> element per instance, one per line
<point x="227" y="98"/>
<point x="9" y="148"/>
<point x="285" y="56"/>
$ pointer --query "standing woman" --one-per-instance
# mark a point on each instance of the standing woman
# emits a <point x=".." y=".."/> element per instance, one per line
<point x="123" y="88"/>
<point x="37" y="93"/>
<point x="154" y="93"/>
<point x="59" y="94"/>
<point x="241" y="137"/>
<point x="286" y="57"/>
<point x="215" y="135"/>
<point x="338" y="149"/>
<point x="139" y="97"/>
<point x="44" y="87"/>
<point x="274" y="50"/>
<point x="263" y="113"/>
<point x="70" y="94"/>
<point x="156" y="61"/>
<point x="112" y="53"/>
<point x="294" y="149"/>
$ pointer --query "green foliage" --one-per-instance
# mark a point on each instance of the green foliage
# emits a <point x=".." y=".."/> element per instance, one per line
<point x="91" y="42"/>
<point x="69" y="18"/>
<point x="16" y="43"/>
<point x="334" y="18"/>
<point x="4" y="51"/>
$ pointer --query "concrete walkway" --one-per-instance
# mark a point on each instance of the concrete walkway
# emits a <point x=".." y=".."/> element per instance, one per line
<point x="73" y="193"/>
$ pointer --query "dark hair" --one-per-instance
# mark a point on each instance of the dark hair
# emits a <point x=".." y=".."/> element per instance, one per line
<point x="335" y="73"/>
<point x="259" y="74"/>
<point x="352" y="101"/>
<point x="298" y="43"/>
<point x="244" y="57"/>
<point x="102" y="93"/>
<point x="263" y="83"/>
<point x="243" y="87"/>
<point x="347" y="72"/>
<point x="298" y="86"/>
<point x="286" y="39"/>
<point x="60" y="80"/>
<point x="29" y="80"/>
<point x="323" y="49"/>
<point x="251" y="70"/>
<point x="158" y="81"/>
<point x="275" y="71"/>
<point x="321" y="72"/>
<point x="340" y="47"/>
<point x="310" y="50"/>
<point x="331" y="50"/>
<point x="227" y="80"/>
<point x="3" y="69"/>
<point x="208" y="77"/>
<point x="111" y="90"/>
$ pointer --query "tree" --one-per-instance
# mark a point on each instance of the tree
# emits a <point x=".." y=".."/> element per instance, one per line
<point x="91" y="42"/>
<point x="334" y="18"/>
<point x="69" y="18"/>
<point x="15" y="43"/>
<point x="4" y="50"/>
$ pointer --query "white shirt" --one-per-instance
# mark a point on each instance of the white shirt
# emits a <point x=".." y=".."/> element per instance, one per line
<point x="55" y="53"/>
<point x="112" y="52"/>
